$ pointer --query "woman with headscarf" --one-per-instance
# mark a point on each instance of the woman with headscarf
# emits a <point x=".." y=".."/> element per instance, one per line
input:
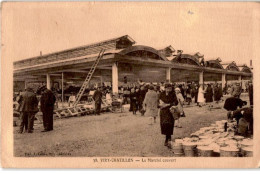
<point x="180" y="106"/>
<point x="150" y="104"/>
<point x="108" y="97"/>
<point x="167" y="99"/>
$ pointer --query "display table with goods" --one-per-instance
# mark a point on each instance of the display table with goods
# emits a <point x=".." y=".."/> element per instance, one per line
<point x="217" y="140"/>
<point x="82" y="108"/>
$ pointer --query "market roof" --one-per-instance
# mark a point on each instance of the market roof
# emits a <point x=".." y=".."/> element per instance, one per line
<point x="115" y="43"/>
<point x="122" y="49"/>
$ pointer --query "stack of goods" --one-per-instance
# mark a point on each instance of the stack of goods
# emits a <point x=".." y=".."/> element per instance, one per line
<point x="247" y="147"/>
<point x="177" y="147"/>
<point x="219" y="139"/>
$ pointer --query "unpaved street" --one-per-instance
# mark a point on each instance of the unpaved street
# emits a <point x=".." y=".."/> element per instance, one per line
<point x="110" y="134"/>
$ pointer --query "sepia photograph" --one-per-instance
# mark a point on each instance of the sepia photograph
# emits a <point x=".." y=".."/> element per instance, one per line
<point x="129" y="84"/>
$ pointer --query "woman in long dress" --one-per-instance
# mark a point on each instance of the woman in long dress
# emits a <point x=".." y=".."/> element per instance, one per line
<point x="167" y="99"/>
<point x="180" y="106"/>
<point x="150" y="104"/>
<point x="188" y="95"/>
<point x="217" y="93"/>
<point x="201" y="99"/>
<point x="209" y="96"/>
<point x="108" y="97"/>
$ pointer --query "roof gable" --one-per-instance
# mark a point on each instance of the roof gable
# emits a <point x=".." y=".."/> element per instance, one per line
<point x="143" y="51"/>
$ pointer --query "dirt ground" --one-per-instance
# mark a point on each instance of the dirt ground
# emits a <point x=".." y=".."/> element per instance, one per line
<point x="110" y="134"/>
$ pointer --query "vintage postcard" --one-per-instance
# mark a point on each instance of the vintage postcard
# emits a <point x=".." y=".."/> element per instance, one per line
<point x="130" y="84"/>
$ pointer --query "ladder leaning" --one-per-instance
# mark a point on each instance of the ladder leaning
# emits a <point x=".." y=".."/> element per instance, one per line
<point x="87" y="80"/>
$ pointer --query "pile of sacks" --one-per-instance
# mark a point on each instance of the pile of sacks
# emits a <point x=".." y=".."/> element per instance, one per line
<point x="214" y="141"/>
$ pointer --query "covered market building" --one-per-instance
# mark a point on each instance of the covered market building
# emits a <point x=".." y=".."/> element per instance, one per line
<point x="124" y="59"/>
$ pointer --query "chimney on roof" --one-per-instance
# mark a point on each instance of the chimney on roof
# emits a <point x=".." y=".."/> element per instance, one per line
<point x="251" y="64"/>
<point x="40" y="53"/>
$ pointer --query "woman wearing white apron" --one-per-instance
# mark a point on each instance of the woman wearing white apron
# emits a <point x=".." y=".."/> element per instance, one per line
<point x="201" y="99"/>
<point x="108" y="98"/>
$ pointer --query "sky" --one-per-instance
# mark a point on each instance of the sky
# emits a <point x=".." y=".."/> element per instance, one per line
<point x="225" y="30"/>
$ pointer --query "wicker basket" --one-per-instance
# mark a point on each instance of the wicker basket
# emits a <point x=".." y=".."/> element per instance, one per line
<point x="189" y="149"/>
<point x="247" y="151"/>
<point x="246" y="143"/>
<point x="229" y="152"/>
<point x="188" y="145"/>
<point x="190" y="153"/>
<point x="205" y="151"/>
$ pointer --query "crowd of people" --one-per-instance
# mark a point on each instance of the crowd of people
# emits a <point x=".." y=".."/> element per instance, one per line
<point x="167" y="101"/>
<point x="190" y="92"/>
<point x="164" y="100"/>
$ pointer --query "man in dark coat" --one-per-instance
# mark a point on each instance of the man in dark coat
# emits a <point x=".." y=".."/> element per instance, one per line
<point x="47" y="106"/>
<point x="225" y="89"/>
<point x="188" y="94"/>
<point x="209" y="94"/>
<point x="182" y="90"/>
<point x="125" y="95"/>
<point x="192" y="86"/>
<point x="167" y="99"/>
<point x="196" y="91"/>
<point x="97" y="96"/>
<point x="141" y="97"/>
<point x="217" y="93"/>
<point x="28" y="108"/>
<point x="133" y="100"/>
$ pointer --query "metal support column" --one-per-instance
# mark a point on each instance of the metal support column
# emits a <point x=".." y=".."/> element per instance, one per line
<point x="223" y="80"/>
<point x="114" y="78"/>
<point x="48" y="81"/>
<point x="168" y="74"/>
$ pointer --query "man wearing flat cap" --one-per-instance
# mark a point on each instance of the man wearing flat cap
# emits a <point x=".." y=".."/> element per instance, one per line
<point x="167" y="99"/>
